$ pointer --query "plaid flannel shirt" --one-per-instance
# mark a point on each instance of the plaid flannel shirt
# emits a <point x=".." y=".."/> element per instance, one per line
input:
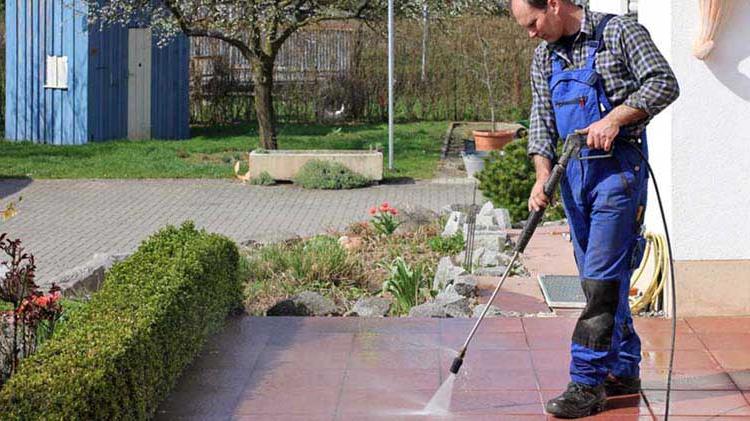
<point x="632" y="68"/>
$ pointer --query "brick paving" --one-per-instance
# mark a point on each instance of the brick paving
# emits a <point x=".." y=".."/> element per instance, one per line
<point x="64" y="222"/>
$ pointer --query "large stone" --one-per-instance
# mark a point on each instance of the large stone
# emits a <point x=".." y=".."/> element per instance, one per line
<point x="371" y="307"/>
<point x="446" y="272"/>
<point x="502" y="218"/>
<point x="414" y="216"/>
<point x="476" y="257"/>
<point x="489" y="259"/>
<point x="306" y="303"/>
<point x="485" y="222"/>
<point x="487" y="209"/>
<point x="465" y="286"/>
<point x="427" y="310"/>
<point x="448" y="294"/>
<point x="490" y="242"/>
<point x="457" y="308"/>
<point x="455" y="219"/>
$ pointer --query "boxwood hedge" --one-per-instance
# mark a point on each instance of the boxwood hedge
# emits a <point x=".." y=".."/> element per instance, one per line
<point x="119" y="356"/>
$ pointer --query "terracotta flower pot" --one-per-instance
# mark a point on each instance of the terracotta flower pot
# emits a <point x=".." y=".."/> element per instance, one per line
<point x="492" y="141"/>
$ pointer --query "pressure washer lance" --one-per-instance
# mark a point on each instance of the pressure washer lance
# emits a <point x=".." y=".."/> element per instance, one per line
<point x="572" y="145"/>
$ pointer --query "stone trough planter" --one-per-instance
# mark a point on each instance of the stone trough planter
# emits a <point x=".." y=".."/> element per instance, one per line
<point x="284" y="164"/>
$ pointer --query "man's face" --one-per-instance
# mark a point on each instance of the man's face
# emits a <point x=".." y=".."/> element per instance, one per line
<point x="539" y="23"/>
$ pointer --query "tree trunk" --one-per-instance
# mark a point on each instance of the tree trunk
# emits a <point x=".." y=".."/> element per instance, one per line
<point x="263" y="96"/>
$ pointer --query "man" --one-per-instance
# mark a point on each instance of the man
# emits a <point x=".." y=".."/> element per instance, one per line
<point x="603" y="76"/>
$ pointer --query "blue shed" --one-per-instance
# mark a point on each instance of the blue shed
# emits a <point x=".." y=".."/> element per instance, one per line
<point x="70" y="83"/>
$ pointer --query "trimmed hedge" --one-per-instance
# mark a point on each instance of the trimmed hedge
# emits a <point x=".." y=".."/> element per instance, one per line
<point x="119" y="357"/>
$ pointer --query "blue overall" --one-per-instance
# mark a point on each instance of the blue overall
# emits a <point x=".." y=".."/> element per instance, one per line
<point x="604" y="201"/>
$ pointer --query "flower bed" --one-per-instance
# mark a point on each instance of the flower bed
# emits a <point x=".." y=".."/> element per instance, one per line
<point x="119" y="356"/>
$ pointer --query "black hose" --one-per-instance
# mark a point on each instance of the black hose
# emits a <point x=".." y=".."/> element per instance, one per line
<point x="671" y="271"/>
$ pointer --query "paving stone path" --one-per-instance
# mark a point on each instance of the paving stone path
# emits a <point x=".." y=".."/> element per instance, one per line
<point x="64" y="222"/>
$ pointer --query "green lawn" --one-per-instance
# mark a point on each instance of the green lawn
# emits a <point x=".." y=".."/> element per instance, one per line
<point x="211" y="152"/>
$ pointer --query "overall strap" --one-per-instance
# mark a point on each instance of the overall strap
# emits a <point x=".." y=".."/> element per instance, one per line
<point x="598" y="44"/>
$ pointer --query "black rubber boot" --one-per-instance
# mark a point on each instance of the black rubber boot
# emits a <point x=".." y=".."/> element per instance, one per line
<point x="621" y="386"/>
<point x="578" y="401"/>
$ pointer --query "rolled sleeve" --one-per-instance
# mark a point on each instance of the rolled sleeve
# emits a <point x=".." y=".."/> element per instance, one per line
<point x="658" y="84"/>
<point x="542" y="130"/>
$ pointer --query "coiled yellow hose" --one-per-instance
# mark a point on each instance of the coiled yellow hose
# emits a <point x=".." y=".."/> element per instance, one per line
<point x="657" y="252"/>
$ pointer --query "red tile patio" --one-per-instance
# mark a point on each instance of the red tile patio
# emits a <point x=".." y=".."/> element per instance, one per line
<point x="388" y="369"/>
<point x="351" y="369"/>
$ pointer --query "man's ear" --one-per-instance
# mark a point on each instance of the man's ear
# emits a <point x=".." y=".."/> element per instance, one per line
<point x="554" y="5"/>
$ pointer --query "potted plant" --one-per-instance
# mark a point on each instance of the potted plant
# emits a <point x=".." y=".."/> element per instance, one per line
<point x="493" y="139"/>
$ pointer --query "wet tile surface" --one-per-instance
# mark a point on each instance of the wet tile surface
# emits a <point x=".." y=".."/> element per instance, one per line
<point x="362" y="369"/>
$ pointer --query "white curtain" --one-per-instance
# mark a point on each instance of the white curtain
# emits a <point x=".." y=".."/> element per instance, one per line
<point x="713" y="13"/>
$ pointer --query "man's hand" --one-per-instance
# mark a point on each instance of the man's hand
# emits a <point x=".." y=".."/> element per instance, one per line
<point x="601" y="134"/>
<point x="538" y="200"/>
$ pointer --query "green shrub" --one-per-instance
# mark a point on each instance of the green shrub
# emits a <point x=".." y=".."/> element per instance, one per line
<point x="263" y="179"/>
<point x="507" y="179"/>
<point x="449" y="245"/>
<point x="319" y="174"/>
<point x="118" y="356"/>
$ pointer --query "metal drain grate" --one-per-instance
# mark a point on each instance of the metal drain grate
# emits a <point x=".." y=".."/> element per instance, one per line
<point x="562" y="291"/>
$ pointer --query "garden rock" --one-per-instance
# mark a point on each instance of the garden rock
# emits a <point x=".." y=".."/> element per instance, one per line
<point x="487" y="209"/>
<point x="456" y="308"/>
<point x="427" y="310"/>
<point x="484" y="222"/>
<point x="489" y="259"/>
<point x="371" y="307"/>
<point x="413" y="217"/>
<point x="476" y="257"/>
<point x="465" y="286"/>
<point x="306" y="303"/>
<point x="448" y="294"/>
<point x="446" y="272"/>
<point x="453" y="225"/>
<point x="502" y="218"/>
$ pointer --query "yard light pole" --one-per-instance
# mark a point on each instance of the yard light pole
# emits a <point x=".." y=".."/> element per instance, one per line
<point x="390" y="84"/>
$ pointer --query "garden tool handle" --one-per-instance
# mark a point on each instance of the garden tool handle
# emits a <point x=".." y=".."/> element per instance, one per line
<point x="572" y="145"/>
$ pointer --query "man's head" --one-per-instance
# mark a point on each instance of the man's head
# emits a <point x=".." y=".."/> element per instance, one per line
<point x="543" y="19"/>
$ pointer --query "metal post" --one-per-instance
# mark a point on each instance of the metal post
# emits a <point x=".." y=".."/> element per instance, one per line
<point x="390" y="84"/>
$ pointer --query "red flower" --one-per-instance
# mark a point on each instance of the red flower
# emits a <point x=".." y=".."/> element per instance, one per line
<point x="394" y="211"/>
<point x="373" y="211"/>
<point x="384" y="207"/>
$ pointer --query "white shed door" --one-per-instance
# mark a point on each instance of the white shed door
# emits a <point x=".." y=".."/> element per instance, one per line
<point x="139" y="83"/>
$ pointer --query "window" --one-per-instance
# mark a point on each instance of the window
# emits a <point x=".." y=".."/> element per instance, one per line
<point x="57" y="72"/>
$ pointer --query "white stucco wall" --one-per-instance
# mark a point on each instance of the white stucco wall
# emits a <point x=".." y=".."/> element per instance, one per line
<point x="700" y="146"/>
<point x="618" y="7"/>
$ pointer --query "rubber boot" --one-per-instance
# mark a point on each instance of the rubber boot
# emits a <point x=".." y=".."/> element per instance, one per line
<point x="578" y="401"/>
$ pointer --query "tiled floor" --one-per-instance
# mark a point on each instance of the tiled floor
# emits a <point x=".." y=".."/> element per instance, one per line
<point x="354" y="369"/>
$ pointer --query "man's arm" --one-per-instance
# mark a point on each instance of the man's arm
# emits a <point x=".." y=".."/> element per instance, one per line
<point x="538" y="199"/>
<point x="542" y="130"/>
<point x="657" y="84"/>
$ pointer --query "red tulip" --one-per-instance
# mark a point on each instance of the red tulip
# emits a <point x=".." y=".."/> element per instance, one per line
<point x="373" y="211"/>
